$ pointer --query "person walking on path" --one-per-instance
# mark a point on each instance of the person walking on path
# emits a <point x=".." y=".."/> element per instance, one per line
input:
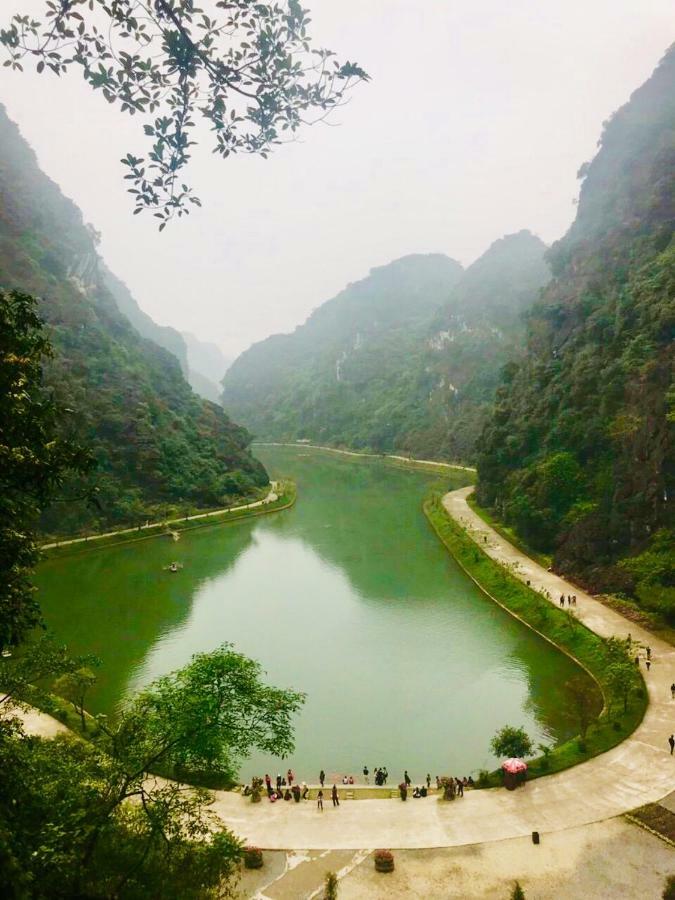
<point x="365" y="774"/>
<point x="305" y="791"/>
<point x="671" y="741"/>
<point x="319" y="800"/>
<point x="335" y="796"/>
<point x="290" y="776"/>
<point x="322" y="777"/>
<point x="648" y="664"/>
<point x="278" y="783"/>
<point x="428" y="781"/>
<point x="672" y="691"/>
<point x="649" y="652"/>
<point x="385" y="774"/>
<point x="406" y="778"/>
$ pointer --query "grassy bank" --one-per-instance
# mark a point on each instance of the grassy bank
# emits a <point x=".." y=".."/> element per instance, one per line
<point x="286" y="497"/>
<point x="508" y="533"/>
<point x="559" y="627"/>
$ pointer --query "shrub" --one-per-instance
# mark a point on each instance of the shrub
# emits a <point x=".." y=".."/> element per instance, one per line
<point x="331" y="891"/>
<point x="483" y="778"/>
<point x="669" y="888"/>
<point x="256" y="790"/>
<point x="448" y="785"/>
<point x="517" y="893"/>
<point x="384" y="861"/>
<point x="511" y="741"/>
<point x="253" y="858"/>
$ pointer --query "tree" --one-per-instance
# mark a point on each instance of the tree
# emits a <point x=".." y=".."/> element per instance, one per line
<point x="248" y="68"/>
<point x="89" y="819"/>
<point x="581" y="702"/>
<point x="620" y="678"/>
<point x="34" y="459"/>
<point x="511" y="741"/>
<point x="331" y="891"/>
<point x="74" y="687"/>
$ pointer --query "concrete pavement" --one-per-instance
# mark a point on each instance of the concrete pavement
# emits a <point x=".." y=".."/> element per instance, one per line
<point x="638" y="771"/>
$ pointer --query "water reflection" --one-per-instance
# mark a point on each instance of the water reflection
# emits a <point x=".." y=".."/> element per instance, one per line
<point x="348" y="596"/>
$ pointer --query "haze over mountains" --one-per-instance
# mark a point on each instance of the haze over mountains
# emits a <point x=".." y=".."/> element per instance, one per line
<point x="579" y="452"/>
<point x="576" y="452"/>
<point x="159" y="447"/>
<point x="406" y="359"/>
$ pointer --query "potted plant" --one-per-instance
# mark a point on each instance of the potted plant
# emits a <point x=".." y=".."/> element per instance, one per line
<point x="384" y="861"/>
<point x="253" y="858"/>
<point x="448" y="787"/>
<point x="256" y="790"/>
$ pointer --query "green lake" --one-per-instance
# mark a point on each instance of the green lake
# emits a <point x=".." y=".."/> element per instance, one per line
<point x="348" y="596"/>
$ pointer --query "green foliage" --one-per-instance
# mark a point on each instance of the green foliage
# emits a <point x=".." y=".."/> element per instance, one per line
<point x="74" y="687"/>
<point x="669" y="888"/>
<point x="253" y="858"/>
<point x="510" y="741"/>
<point x="596" y="654"/>
<point x="160" y="450"/>
<point x="205" y="716"/>
<point x="579" y="453"/>
<point x="517" y="893"/>
<point x="65" y="803"/>
<point x="249" y="70"/>
<point x="582" y="703"/>
<point x="406" y="359"/>
<point x="620" y="678"/>
<point x="34" y="459"/>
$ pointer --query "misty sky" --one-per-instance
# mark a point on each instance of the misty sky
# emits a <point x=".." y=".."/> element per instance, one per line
<point x="477" y="118"/>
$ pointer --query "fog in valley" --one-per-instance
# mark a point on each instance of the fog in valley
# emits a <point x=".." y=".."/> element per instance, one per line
<point x="474" y="125"/>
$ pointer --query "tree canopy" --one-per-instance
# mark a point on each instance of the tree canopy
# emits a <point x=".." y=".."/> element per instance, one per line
<point x="247" y="67"/>
<point x="34" y="459"/>
<point x="511" y="741"/>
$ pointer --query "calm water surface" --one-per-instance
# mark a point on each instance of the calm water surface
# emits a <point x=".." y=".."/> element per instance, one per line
<point x="348" y="596"/>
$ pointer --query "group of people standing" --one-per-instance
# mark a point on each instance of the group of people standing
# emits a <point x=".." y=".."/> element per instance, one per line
<point x="571" y="600"/>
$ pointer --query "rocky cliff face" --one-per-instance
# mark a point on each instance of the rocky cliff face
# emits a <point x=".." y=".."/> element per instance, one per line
<point x="579" y="452"/>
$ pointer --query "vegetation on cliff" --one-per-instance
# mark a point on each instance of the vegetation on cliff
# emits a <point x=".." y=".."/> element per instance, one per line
<point x="158" y="448"/>
<point x="578" y="455"/>
<point x="406" y="359"/>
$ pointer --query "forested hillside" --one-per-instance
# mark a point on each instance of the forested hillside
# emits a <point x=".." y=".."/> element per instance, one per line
<point x="158" y="446"/>
<point x="407" y="359"/>
<point x="579" y="453"/>
<point x="344" y="376"/>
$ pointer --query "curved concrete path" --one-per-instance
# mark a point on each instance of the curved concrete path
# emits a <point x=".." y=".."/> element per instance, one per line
<point x="638" y="771"/>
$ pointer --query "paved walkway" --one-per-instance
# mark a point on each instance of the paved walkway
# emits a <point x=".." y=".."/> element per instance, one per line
<point x="407" y="459"/>
<point x="270" y="498"/>
<point x="638" y="771"/>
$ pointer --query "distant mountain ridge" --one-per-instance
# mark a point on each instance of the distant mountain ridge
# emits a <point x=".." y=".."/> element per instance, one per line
<point x="405" y="359"/>
<point x="159" y="446"/>
<point x="312" y="383"/>
<point x="207" y="365"/>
